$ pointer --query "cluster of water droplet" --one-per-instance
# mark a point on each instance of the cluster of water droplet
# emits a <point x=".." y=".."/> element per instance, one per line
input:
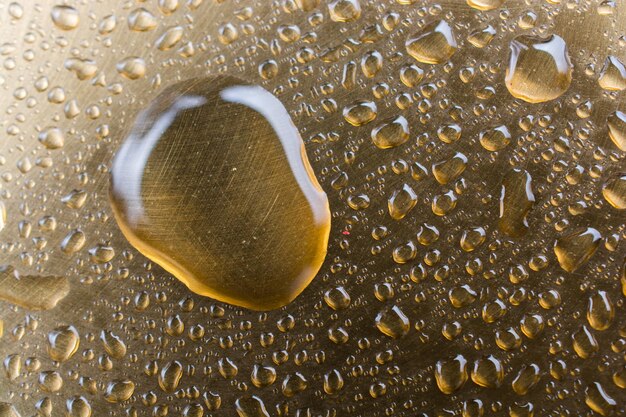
<point x="473" y="156"/>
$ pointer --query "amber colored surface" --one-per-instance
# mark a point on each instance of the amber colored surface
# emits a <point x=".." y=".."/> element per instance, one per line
<point x="475" y="263"/>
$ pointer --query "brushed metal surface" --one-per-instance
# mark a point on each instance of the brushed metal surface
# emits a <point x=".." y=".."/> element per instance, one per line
<point x="90" y="77"/>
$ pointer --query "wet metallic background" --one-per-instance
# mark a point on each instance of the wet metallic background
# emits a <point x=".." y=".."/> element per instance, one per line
<point x="103" y="295"/>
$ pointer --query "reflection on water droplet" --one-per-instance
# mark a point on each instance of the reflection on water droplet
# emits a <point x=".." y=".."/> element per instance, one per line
<point x="360" y="112"/>
<point x="515" y="202"/>
<point x="391" y="133"/>
<point x="30" y="291"/>
<point x="613" y="74"/>
<point x="401" y="202"/>
<point x="8" y="410"/>
<point x="614" y="191"/>
<point x="576" y="248"/>
<point x="451" y="374"/>
<point x="119" y="390"/>
<point x="485" y="4"/>
<point x="616" y="123"/>
<point x="65" y="17"/>
<point x="393" y="322"/>
<point x="233" y="227"/>
<point x="141" y="20"/>
<point x="539" y="68"/>
<point x="344" y="10"/>
<point x="435" y="43"/>
<point x="63" y="342"/>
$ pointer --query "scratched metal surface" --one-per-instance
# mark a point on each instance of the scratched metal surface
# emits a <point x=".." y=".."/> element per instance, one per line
<point x="558" y="337"/>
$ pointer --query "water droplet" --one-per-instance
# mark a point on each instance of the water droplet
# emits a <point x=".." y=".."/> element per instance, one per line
<point x="576" y="248"/>
<point x="63" y="342"/>
<point x="333" y="382"/>
<point x="228" y="33"/>
<point x="539" y="68"/>
<point x="344" y="10"/>
<point x="485" y="4"/>
<point x="269" y="208"/>
<point x="613" y="74"/>
<point x="449" y="169"/>
<point x="78" y="406"/>
<point x="8" y="410"/>
<point x="73" y="242"/>
<point x="391" y="133"/>
<point x="614" y="191"/>
<point x="472" y="238"/>
<point x="488" y="372"/>
<point x="584" y="343"/>
<point x="435" y="43"/>
<point x="600" y="311"/>
<point x="251" y="406"/>
<point x="401" y="202"/>
<point x="393" y="322"/>
<point x="598" y="400"/>
<point x="482" y="37"/>
<point x="451" y="374"/>
<point x="113" y="345"/>
<point x="526" y="378"/>
<point x="119" y="390"/>
<point x="52" y="138"/>
<point x="170" y="376"/>
<point x="360" y="112"/>
<point x="83" y="68"/>
<point x="132" y="67"/>
<point x="65" y="17"/>
<point x="337" y="298"/>
<point x="263" y="376"/>
<point x="169" y="38"/>
<point x="516" y="200"/>
<point x="141" y="20"/>
<point x="31" y="291"/>
<point x="616" y="123"/>
<point x="495" y="139"/>
<point x="294" y="384"/>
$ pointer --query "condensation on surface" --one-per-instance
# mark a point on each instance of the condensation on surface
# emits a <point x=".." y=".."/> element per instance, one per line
<point x="472" y="153"/>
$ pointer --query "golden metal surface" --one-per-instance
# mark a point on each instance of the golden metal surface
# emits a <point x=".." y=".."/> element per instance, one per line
<point x="428" y="303"/>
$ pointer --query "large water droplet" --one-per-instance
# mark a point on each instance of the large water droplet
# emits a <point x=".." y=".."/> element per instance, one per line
<point x="214" y="185"/>
<point x="539" y="68"/>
